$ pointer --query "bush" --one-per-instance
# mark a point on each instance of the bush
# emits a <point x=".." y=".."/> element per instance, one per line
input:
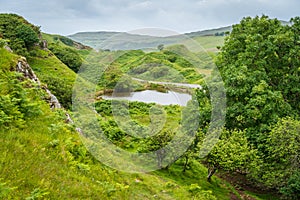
<point x="16" y="102"/>
<point x="27" y="34"/>
<point x="2" y="42"/>
<point x="68" y="56"/>
<point x="21" y="34"/>
<point x="292" y="189"/>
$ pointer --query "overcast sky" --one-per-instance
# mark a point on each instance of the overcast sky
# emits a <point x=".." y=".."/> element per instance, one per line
<point x="71" y="16"/>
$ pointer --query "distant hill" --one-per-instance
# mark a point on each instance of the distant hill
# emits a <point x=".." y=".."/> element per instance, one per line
<point x="210" y="32"/>
<point x="122" y="40"/>
<point x="127" y="41"/>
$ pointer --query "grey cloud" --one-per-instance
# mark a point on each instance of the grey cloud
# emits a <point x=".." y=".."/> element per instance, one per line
<point x="70" y="16"/>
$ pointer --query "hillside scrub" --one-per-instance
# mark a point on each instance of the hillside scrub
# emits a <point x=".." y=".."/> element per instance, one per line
<point x="41" y="156"/>
<point x="259" y="63"/>
<point x="21" y="35"/>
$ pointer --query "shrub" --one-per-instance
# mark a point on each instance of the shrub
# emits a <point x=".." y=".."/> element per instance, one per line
<point x="292" y="189"/>
<point x="68" y="56"/>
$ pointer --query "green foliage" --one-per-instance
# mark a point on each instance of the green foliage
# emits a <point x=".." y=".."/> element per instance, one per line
<point x="68" y="56"/>
<point x="65" y="40"/>
<point x="292" y="189"/>
<point x="27" y="34"/>
<point x="21" y="34"/>
<point x="280" y="161"/>
<point x="5" y="190"/>
<point x="52" y="162"/>
<point x="155" y="66"/>
<point x="18" y="100"/>
<point x="160" y="47"/>
<point x="231" y="153"/>
<point x="3" y="42"/>
<point x="259" y="65"/>
<point x="37" y="193"/>
<point x="58" y="77"/>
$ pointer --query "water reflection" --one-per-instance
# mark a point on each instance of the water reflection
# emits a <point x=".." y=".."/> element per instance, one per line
<point x="152" y="96"/>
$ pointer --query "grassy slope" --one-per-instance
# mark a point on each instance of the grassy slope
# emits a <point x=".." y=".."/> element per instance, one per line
<point x="46" y="157"/>
<point x="58" y="77"/>
<point x="210" y="43"/>
<point x="123" y="41"/>
<point x="56" y="39"/>
<point x="41" y="157"/>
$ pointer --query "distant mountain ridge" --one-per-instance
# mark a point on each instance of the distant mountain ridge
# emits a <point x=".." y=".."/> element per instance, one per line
<point x="125" y="41"/>
<point x="111" y="40"/>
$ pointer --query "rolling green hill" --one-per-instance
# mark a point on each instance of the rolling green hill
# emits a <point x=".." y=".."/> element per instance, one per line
<point x="126" y="41"/>
<point x="209" y="39"/>
<point x="42" y="155"/>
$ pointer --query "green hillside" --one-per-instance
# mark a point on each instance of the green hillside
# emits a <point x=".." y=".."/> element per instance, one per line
<point x="211" y="32"/>
<point x="44" y="155"/>
<point x="127" y="41"/>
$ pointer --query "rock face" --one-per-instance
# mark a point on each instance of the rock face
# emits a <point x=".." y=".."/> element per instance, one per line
<point x="24" y="68"/>
<point x="8" y="48"/>
<point x="44" y="44"/>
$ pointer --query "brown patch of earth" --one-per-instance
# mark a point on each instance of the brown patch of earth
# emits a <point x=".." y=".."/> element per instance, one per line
<point x="242" y="184"/>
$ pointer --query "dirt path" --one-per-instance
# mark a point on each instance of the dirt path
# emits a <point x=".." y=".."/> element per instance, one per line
<point x="241" y="184"/>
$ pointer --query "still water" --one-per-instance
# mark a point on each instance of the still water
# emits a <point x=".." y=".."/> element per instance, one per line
<point x="152" y="96"/>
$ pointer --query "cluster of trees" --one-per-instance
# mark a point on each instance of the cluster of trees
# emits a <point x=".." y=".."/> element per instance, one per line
<point x="21" y="35"/>
<point x="260" y="64"/>
<point x="220" y="34"/>
<point x="260" y="67"/>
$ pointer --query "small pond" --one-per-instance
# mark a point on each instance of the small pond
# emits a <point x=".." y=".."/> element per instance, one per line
<point x="152" y="96"/>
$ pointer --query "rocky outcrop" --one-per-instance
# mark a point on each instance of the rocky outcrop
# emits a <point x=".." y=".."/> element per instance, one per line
<point x="8" y="48"/>
<point x="44" y="44"/>
<point x="24" y="68"/>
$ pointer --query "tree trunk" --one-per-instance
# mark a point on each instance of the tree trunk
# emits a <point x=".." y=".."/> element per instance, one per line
<point x="211" y="172"/>
<point x="185" y="164"/>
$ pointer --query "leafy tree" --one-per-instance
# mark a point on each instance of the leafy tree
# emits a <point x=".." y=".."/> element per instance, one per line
<point x="21" y="34"/>
<point x="156" y="143"/>
<point x="232" y="153"/>
<point x="160" y="47"/>
<point x="27" y="34"/>
<point x="259" y="64"/>
<point x="292" y="190"/>
<point x="61" y="89"/>
<point x="281" y="161"/>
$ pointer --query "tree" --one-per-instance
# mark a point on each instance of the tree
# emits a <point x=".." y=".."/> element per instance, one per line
<point x="292" y="189"/>
<point x="259" y="64"/>
<point x="281" y="161"/>
<point x="20" y="33"/>
<point x="157" y="143"/>
<point x="231" y="153"/>
<point x="27" y="34"/>
<point x="160" y="47"/>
